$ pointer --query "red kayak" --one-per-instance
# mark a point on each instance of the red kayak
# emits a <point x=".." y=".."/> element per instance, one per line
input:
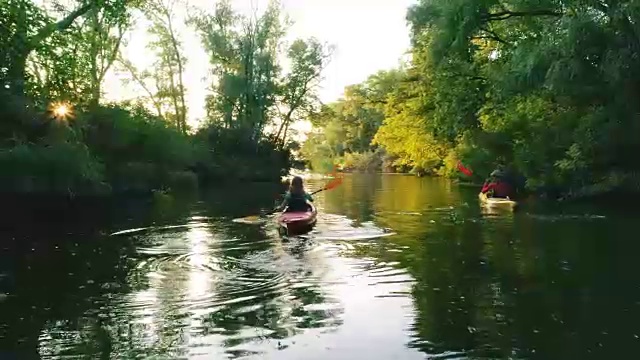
<point x="297" y="222"/>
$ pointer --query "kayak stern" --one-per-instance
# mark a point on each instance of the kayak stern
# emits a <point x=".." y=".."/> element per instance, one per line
<point x="297" y="223"/>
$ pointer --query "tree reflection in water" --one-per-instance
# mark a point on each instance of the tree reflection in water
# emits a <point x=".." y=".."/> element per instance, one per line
<point x="449" y="280"/>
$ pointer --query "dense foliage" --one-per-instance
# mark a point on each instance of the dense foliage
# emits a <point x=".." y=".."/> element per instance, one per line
<point x="59" y="135"/>
<point x="546" y="86"/>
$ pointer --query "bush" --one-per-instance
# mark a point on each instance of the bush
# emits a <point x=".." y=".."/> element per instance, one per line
<point x="369" y="161"/>
<point x="66" y="168"/>
<point x="141" y="152"/>
<point x="119" y="135"/>
<point x="232" y="154"/>
<point x="182" y="180"/>
<point x="126" y="149"/>
<point x="472" y="155"/>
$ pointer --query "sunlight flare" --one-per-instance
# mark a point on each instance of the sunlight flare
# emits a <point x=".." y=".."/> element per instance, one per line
<point x="61" y="110"/>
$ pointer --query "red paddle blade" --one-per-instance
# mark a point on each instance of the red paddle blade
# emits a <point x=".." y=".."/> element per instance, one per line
<point x="334" y="172"/>
<point x="333" y="184"/>
<point x="464" y="169"/>
<point x="336" y="181"/>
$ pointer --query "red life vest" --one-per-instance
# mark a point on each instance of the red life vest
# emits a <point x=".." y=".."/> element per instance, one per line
<point x="500" y="189"/>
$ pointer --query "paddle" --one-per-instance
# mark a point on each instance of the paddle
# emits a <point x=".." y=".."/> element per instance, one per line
<point x="256" y="219"/>
<point x="331" y="185"/>
<point x="464" y="170"/>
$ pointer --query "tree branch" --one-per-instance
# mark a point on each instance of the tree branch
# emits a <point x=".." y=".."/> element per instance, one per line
<point x="114" y="54"/>
<point x="492" y="35"/>
<point x="63" y="24"/>
<point x="504" y="15"/>
<point x="134" y="74"/>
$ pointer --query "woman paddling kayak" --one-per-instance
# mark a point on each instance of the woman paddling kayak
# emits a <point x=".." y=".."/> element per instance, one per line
<point x="299" y="214"/>
<point x="295" y="200"/>
<point x="496" y="186"/>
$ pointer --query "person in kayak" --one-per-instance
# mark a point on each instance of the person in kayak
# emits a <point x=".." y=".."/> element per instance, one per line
<point x="496" y="186"/>
<point x="296" y="198"/>
<point x="516" y="180"/>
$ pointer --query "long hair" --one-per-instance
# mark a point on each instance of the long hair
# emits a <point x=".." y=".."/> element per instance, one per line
<point x="296" y="187"/>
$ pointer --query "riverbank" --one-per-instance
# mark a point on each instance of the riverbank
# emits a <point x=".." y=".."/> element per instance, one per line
<point x="615" y="190"/>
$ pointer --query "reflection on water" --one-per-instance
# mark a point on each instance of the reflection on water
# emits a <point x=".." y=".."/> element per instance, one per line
<point x="396" y="267"/>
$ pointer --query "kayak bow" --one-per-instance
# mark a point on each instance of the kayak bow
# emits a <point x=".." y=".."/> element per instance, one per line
<point x="491" y="202"/>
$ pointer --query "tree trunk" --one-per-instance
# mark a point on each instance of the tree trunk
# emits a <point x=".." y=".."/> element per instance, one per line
<point x="248" y="73"/>
<point x="284" y="135"/>
<point x="284" y="121"/>
<point x="93" y="46"/>
<point x="182" y="114"/>
<point x="140" y="81"/>
<point x="174" y="98"/>
<point x="17" y="71"/>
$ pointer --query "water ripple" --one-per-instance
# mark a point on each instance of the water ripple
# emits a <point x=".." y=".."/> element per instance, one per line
<point x="406" y="268"/>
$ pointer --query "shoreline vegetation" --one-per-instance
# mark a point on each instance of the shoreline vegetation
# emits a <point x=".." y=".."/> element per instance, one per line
<point x="546" y="87"/>
<point x="59" y="137"/>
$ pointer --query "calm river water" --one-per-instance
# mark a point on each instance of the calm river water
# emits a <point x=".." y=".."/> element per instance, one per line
<point x="397" y="268"/>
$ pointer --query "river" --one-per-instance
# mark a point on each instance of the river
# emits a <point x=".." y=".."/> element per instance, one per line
<point x="397" y="267"/>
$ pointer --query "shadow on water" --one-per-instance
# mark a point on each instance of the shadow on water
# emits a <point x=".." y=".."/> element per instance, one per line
<point x="396" y="267"/>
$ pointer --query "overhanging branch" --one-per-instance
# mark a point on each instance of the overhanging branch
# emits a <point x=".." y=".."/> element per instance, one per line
<point x="507" y="14"/>
<point x="63" y="24"/>
<point x="491" y="35"/>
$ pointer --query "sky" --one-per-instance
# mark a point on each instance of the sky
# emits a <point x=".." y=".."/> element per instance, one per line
<point x="368" y="36"/>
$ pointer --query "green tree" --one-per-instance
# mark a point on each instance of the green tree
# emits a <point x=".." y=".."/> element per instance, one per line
<point x="150" y="83"/>
<point x="243" y="55"/>
<point x="58" y="137"/>
<point x="542" y="85"/>
<point x="26" y="29"/>
<point x="170" y="59"/>
<point x="298" y="87"/>
<point x="404" y="133"/>
<point x="250" y="89"/>
<point x="347" y="127"/>
<point x="104" y="30"/>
